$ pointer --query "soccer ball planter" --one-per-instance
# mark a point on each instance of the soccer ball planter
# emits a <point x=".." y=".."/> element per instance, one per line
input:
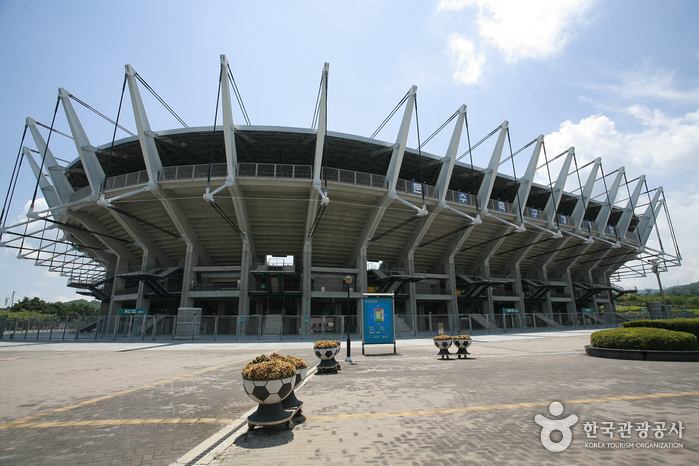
<point x="291" y="402"/>
<point x="461" y="342"/>
<point x="443" y="342"/>
<point x="268" y="382"/>
<point x="326" y="350"/>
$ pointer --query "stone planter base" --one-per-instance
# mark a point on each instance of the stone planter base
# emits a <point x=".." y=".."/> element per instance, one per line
<point x="642" y="355"/>
<point x="462" y="344"/>
<point x="269" y="415"/>
<point x="327" y="359"/>
<point x="328" y="365"/>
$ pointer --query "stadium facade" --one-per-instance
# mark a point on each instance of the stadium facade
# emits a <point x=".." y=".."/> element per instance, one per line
<point x="190" y="217"/>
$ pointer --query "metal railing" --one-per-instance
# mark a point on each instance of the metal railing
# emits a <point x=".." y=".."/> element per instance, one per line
<point x="275" y="170"/>
<point x="295" y="328"/>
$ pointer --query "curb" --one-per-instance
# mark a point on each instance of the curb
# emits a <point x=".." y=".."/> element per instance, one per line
<point x="642" y="355"/>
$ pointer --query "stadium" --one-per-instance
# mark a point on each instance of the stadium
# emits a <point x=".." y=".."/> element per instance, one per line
<point x="293" y="226"/>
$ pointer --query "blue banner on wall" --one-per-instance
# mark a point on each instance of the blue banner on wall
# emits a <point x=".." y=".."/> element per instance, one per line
<point x="378" y="321"/>
<point x="417" y="188"/>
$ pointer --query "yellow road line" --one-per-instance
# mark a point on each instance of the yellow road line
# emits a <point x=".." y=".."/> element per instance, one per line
<point x="497" y="407"/>
<point x="123" y="422"/>
<point x="118" y="422"/>
<point x="12" y="424"/>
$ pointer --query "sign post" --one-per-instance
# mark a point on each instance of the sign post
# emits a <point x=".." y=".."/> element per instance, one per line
<point x="378" y="320"/>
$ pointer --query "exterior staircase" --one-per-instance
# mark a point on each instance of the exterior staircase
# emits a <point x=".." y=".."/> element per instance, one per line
<point x="273" y="323"/>
<point x="547" y="319"/>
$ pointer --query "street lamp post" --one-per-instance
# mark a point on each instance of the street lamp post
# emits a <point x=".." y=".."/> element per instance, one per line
<point x="348" y="280"/>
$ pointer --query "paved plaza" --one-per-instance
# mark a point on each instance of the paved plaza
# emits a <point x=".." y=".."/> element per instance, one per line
<point x="183" y="403"/>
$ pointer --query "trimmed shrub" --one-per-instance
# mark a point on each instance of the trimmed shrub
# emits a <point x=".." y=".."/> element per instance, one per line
<point x="644" y="338"/>
<point x="677" y="325"/>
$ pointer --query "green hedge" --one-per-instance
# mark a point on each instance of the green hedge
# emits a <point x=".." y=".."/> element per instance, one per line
<point x="677" y="325"/>
<point x="644" y="338"/>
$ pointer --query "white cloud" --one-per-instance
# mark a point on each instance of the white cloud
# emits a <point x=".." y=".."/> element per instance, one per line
<point x="664" y="145"/>
<point x="525" y="29"/>
<point x="466" y="63"/>
<point x="647" y="81"/>
<point x="665" y="150"/>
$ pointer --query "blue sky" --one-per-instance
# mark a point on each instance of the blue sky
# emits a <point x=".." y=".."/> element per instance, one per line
<point x="617" y="80"/>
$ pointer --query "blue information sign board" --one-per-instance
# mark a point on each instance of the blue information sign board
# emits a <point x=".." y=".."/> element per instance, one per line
<point x="378" y="321"/>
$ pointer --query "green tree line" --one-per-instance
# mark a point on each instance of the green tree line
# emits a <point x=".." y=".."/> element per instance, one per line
<point x="685" y="299"/>
<point x="36" y="307"/>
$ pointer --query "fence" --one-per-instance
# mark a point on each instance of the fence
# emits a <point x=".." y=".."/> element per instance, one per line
<point x="278" y="327"/>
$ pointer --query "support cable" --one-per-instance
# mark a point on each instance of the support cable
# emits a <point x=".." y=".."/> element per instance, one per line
<point x="672" y="230"/>
<point x="13" y="182"/>
<point x="470" y="149"/>
<point x="514" y="173"/>
<point x="582" y="193"/>
<point x="552" y="160"/>
<point x="145" y="222"/>
<point x="489" y="241"/>
<point x="427" y="243"/>
<point x="322" y="206"/>
<point x="46" y="148"/>
<point x="419" y="153"/>
<point x="160" y="99"/>
<point x="391" y="230"/>
<point x="577" y="170"/>
<point x="393" y="112"/>
<point x="520" y="150"/>
<point x="237" y="95"/>
<point x="213" y="132"/>
<point x="548" y="170"/>
<point x="38" y="123"/>
<point x="655" y="220"/>
<point x="609" y="203"/>
<point x="316" y="108"/>
<point x="116" y="124"/>
<point x="438" y="130"/>
<point x="525" y="246"/>
<point x="470" y="154"/>
<point x="46" y="219"/>
<point x="633" y="208"/>
<point x="227" y="219"/>
<point x="556" y="251"/>
<point x="319" y="215"/>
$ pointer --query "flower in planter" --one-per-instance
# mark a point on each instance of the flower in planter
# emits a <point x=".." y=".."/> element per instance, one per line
<point x="298" y="363"/>
<point x="322" y="344"/>
<point x="442" y="336"/>
<point x="266" y="370"/>
<point x="461" y="337"/>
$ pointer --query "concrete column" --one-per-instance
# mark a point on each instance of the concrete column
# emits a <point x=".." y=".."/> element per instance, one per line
<point x="244" y="288"/>
<point x="571" y="306"/>
<point x="453" y="304"/>
<point x="306" y="281"/>
<point x="190" y="261"/>
<point x="518" y="289"/>
<point x="411" y="304"/>
<point x="108" y="288"/>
